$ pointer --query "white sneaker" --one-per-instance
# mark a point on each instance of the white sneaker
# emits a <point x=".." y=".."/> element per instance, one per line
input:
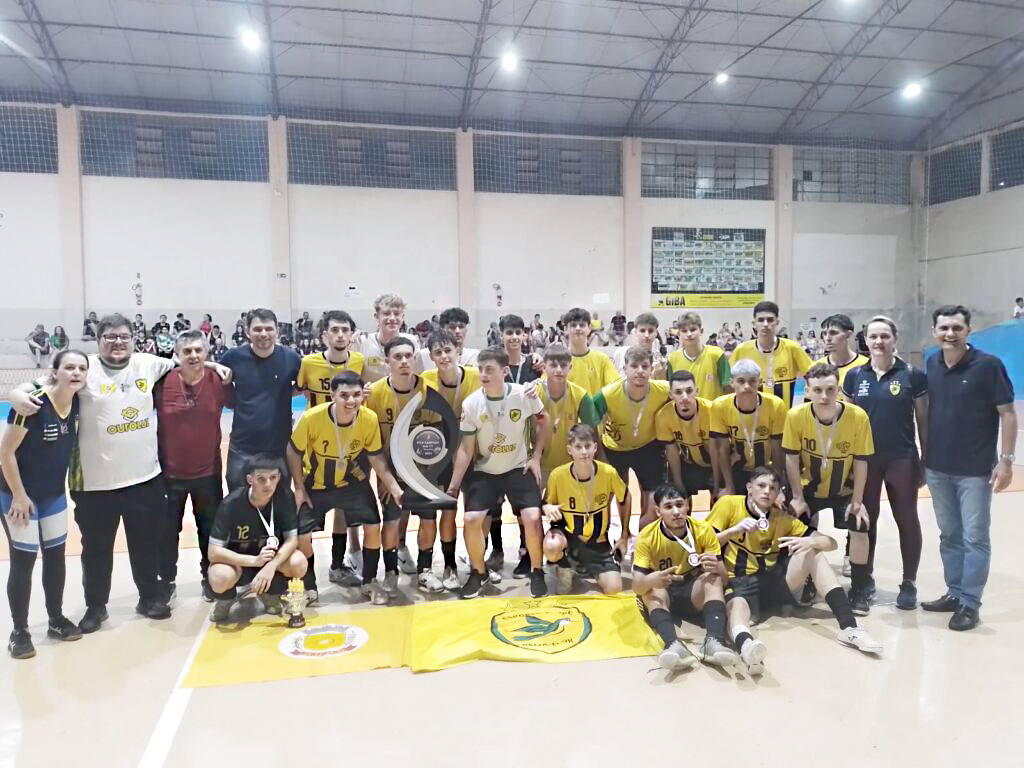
<point x="563" y="580"/>
<point x="406" y="562"/>
<point x="429" y="582"/>
<point x="450" y="580"/>
<point x="493" y="577"/>
<point x="857" y="637"/>
<point x="312" y="597"/>
<point x="753" y="653"/>
<point x="391" y="584"/>
<point x="354" y="560"/>
<point x="846" y="566"/>
<point x="714" y="651"/>
<point x="676" y="656"/>
<point x="373" y="591"/>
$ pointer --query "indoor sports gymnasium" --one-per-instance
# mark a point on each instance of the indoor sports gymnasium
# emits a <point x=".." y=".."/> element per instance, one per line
<point x="442" y="382"/>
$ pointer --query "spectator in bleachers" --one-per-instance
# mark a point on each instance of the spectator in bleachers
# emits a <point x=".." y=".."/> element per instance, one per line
<point x="618" y="329"/>
<point x="160" y="325"/>
<point x="139" y="327"/>
<point x="206" y="326"/>
<point x="181" y="323"/>
<point x="39" y="345"/>
<point x="59" y="340"/>
<point x="737" y="333"/>
<point x="89" y="327"/>
<point x="1018" y="308"/>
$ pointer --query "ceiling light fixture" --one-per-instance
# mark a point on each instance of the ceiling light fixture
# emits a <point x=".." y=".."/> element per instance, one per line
<point x="911" y="90"/>
<point x="722" y="78"/>
<point x="251" y="39"/>
<point x="509" y="61"/>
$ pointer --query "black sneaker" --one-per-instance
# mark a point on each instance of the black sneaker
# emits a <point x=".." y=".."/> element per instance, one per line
<point x="859" y="603"/>
<point x="63" y="628"/>
<point x="473" y="585"/>
<point x="153" y="609"/>
<point x="208" y="594"/>
<point x="94" y="617"/>
<point x="907" y="598"/>
<point x="20" y="645"/>
<point x="525" y="566"/>
<point x="945" y="604"/>
<point x="538" y="587"/>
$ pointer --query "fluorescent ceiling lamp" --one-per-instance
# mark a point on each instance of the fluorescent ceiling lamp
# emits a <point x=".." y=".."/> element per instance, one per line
<point x="509" y="61"/>
<point x="251" y="39"/>
<point x="911" y="90"/>
<point x="722" y="78"/>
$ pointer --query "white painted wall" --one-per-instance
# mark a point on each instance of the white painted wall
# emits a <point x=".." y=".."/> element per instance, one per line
<point x="350" y="244"/>
<point x="199" y="246"/>
<point x="975" y="254"/>
<point x="29" y="253"/>
<point x="548" y="253"/>
<point x="741" y="214"/>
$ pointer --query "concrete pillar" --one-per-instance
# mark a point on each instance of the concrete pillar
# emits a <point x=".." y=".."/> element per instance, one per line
<point x="469" y="267"/>
<point x="782" y="175"/>
<point x="280" y="220"/>
<point x="636" y="279"/>
<point x="986" y="163"/>
<point x="916" y="334"/>
<point x="72" y="245"/>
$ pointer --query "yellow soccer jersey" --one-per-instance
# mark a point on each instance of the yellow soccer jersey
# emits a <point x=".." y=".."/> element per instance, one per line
<point x="387" y="403"/>
<point x="628" y="424"/>
<point x="593" y="371"/>
<point x="857" y="361"/>
<point x="657" y="550"/>
<point x="330" y="452"/>
<point x="780" y="367"/>
<point x="755" y="551"/>
<point x="751" y="443"/>
<point x="316" y="372"/>
<point x="690" y="435"/>
<point x="586" y="506"/>
<point x="710" y="370"/>
<point x="847" y="438"/>
<point x="469" y="382"/>
<point x="574" y="407"/>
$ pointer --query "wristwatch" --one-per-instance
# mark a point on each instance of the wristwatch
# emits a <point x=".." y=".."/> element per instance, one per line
<point x="1007" y="457"/>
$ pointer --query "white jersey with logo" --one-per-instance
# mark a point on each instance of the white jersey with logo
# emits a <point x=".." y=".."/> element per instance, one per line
<point x="466" y="357"/>
<point x="376" y="366"/>
<point x="117" y="425"/>
<point x="500" y="426"/>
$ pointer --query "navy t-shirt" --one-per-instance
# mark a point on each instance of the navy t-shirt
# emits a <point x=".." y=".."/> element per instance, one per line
<point x="263" y="398"/>
<point x="963" y="423"/>
<point x="45" y="451"/>
<point x="889" y="401"/>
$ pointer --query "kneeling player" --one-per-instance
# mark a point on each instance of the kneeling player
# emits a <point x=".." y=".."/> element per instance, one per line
<point x="768" y="557"/>
<point x="684" y="425"/>
<point x="578" y="508"/>
<point x="678" y="574"/>
<point x="326" y="458"/>
<point x="253" y="541"/>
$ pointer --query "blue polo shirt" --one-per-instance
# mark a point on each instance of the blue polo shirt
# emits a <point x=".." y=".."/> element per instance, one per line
<point x="889" y="401"/>
<point x="263" y="398"/>
<point x="963" y="423"/>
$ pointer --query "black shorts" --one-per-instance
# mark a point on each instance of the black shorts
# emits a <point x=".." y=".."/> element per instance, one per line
<point x="740" y="477"/>
<point x="393" y="512"/>
<point x="680" y="600"/>
<point x="595" y="559"/>
<point x="356" y="501"/>
<point x="278" y="584"/>
<point x="647" y="463"/>
<point x="838" y="505"/>
<point x="484" y="491"/>
<point x="696" y="478"/>
<point x="764" y="592"/>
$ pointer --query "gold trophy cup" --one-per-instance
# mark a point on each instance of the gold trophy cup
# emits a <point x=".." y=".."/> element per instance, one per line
<point x="295" y="601"/>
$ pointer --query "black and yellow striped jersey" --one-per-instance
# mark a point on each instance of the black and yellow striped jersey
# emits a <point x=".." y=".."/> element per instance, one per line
<point x="780" y="366"/>
<point x="750" y="445"/>
<point x="656" y="549"/>
<point x="331" y="452"/>
<point x="689" y="435"/>
<point x="755" y="551"/>
<point x="586" y="506"/>
<point x="387" y="403"/>
<point x="469" y="382"/>
<point x="316" y="372"/>
<point x="827" y="451"/>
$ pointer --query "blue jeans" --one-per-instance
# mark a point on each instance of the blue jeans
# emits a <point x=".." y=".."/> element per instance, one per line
<point x="963" y="507"/>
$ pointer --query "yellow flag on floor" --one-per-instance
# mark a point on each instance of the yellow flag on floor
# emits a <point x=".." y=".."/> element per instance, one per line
<point x="550" y="630"/>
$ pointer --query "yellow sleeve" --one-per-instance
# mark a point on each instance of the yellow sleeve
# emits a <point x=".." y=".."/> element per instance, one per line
<point x="708" y="541"/>
<point x="791" y="431"/>
<point x="801" y="360"/>
<point x="300" y="380"/>
<point x="779" y="413"/>
<point x="642" y="557"/>
<point x="609" y="373"/>
<point x="371" y="440"/>
<point x="796" y="527"/>
<point x="864" y="445"/>
<point x="301" y="432"/>
<point x="721" y="515"/>
<point x="618" y="487"/>
<point x="718" y="425"/>
<point x="356" y="362"/>
<point x="663" y="424"/>
<point x="554" y="486"/>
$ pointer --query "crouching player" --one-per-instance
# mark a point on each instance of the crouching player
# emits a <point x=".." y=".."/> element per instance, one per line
<point x="678" y="574"/>
<point x="578" y="508"/>
<point x="768" y="557"/>
<point x="253" y="540"/>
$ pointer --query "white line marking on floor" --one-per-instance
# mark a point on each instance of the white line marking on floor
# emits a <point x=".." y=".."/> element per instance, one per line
<point x="167" y="726"/>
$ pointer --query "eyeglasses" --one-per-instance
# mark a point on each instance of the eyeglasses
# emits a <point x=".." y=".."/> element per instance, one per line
<point x="112" y="337"/>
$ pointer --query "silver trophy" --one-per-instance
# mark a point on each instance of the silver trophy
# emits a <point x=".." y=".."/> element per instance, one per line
<point x="421" y="453"/>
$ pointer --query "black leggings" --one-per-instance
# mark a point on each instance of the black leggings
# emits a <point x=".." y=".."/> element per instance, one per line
<point x="900" y="476"/>
<point x="19" y="581"/>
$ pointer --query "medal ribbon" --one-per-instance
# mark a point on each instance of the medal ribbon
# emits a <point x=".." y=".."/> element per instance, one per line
<point x="688" y="544"/>
<point x="826" y="445"/>
<point x="750" y="436"/>
<point x="639" y="410"/>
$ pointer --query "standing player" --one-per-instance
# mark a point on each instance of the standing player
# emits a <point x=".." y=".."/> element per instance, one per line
<point x="895" y="397"/>
<point x="253" y="541"/>
<point x="746" y="427"/>
<point x="455" y="383"/>
<point x="319" y="368"/>
<point x="628" y="408"/>
<point x="768" y="557"/>
<point x="781" y="360"/>
<point x="709" y="365"/>
<point x="495" y="448"/>
<point x="578" y="509"/>
<point x="678" y="574"/>
<point x="645" y="329"/>
<point x="455" y="321"/>
<point x="683" y="425"/>
<point x="326" y="458"/>
<point x="591" y="369"/>
<point x="827" y="444"/>
<point x="837" y="333"/>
